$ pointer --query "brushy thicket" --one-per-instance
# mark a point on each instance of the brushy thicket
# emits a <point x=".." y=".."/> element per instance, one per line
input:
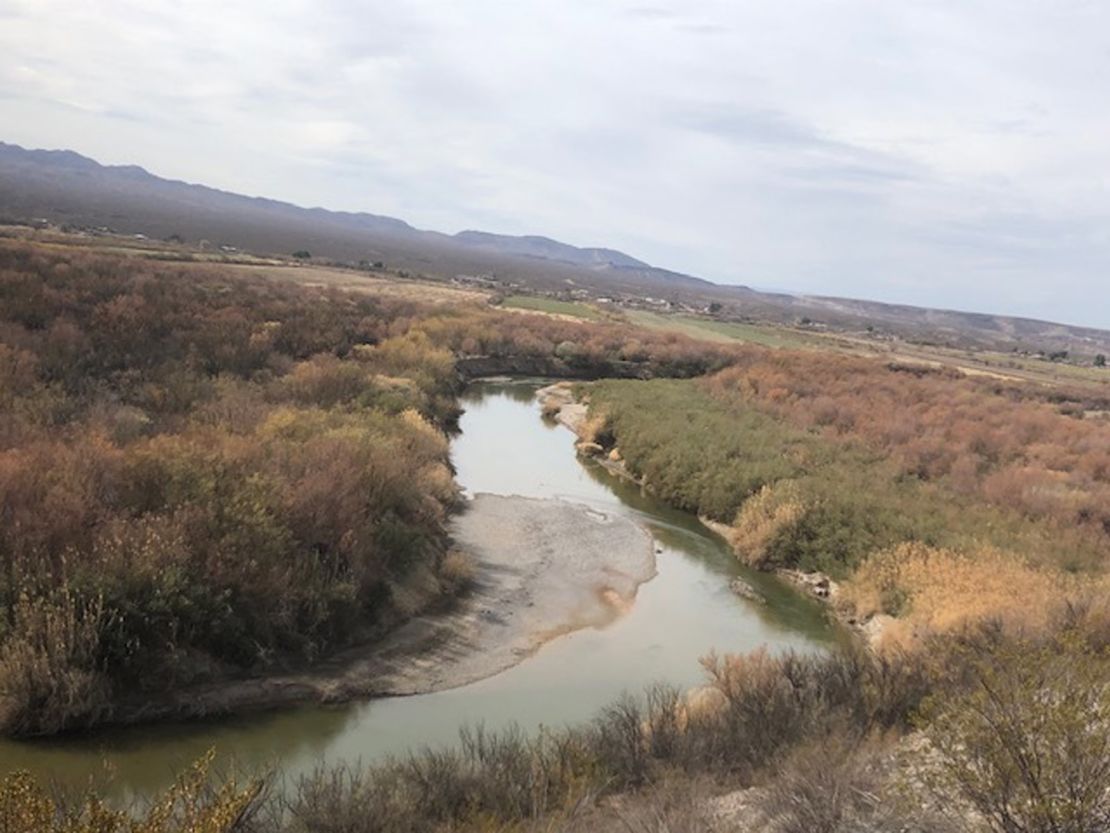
<point x="987" y="440"/>
<point x="203" y="471"/>
<point x="794" y="497"/>
<point x="835" y="479"/>
<point x="200" y="473"/>
<point x="1016" y="737"/>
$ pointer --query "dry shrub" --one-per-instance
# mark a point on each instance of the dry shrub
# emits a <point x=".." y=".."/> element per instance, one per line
<point x="492" y="781"/>
<point x="458" y="569"/>
<point x="768" y="703"/>
<point x="940" y="590"/>
<point x="1035" y="491"/>
<point x="808" y="795"/>
<point x="190" y="805"/>
<point x="49" y="679"/>
<point x="326" y="381"/>
<point x="401" y="355"/>
<point x="843" y="784"/>
<point x="1006" y="443"/>
<point x="765" y="514"/>
<point x="432" y="439"/>
<point x="594" y="428"/>
<point x="437" y="480"/>
<point x="676" y="805"/>
<point x="1026" y="741"/>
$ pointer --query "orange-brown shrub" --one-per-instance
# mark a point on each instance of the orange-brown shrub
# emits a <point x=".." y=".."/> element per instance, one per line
<point x="991" y="440"/>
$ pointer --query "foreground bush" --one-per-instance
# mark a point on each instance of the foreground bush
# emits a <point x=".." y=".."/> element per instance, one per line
<point x="762" y="706"/>
<point x="1027" y="742"/>
<point x="191" y="805"/>
<point x="1019" y="737"/>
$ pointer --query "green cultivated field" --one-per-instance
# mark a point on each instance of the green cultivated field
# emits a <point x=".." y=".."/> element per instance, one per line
<point x="720" y="330"/>
<point x="552" y="307"/>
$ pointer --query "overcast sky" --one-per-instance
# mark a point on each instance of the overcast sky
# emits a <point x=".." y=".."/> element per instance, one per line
<point x="952" y="154"/>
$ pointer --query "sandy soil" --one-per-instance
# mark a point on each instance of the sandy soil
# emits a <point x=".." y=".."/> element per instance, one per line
<point x="546" y="567"/>
<point x="543" y="568"/>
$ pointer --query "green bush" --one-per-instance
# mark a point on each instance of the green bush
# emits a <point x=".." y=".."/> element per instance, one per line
<point x="710" y="456"/>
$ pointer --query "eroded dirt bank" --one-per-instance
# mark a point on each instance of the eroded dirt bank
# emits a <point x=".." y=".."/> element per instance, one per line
<point x="543" y="568"/>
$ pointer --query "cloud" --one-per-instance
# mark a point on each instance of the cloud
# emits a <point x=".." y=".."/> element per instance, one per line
<point x="949" y="153"/>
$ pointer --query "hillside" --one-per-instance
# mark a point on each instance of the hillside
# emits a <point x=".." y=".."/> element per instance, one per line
<point x="66" y="188"/>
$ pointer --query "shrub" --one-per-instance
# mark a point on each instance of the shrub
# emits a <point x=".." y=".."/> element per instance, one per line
<point x="191" y="805"/>
<point x="941" y="590"/>
<point x="1027" y="743"/>
<point x="763" y="517"/>
<point x="458" y="569"/>
<point x="50" y="674"/>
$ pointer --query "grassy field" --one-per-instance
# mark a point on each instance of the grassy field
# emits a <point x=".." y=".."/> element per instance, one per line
<point x="972" y="362"/>
<point x="373" y="283"/>
<point x="710" y="330"/>
<point x="552" y="306"/>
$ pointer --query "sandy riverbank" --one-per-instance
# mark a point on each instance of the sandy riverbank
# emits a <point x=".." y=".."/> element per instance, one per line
<point x="543" y="568"/>
<point x="546" y="567"/>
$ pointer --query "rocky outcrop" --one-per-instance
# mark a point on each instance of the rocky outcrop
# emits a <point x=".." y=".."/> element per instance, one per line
<point x="745" y="591"/>
<point x="816" y="584"/>
<point x="558" y="401"/>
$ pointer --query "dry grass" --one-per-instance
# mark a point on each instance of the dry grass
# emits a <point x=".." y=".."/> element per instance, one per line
<point x="49" y="679"/>
<point x="191" y="805"/>
<point x="858" y="793"/>
<point x="458" y="569"/>
<point x="942" y="591"/>
<point x="762" y="517"/>
<point x="378" y="283"/>
<point x="593" y="427"/>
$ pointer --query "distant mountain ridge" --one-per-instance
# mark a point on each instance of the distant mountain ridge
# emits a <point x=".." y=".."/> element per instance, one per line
<point x="548" y="249"/>
<point x="64" y="187"/>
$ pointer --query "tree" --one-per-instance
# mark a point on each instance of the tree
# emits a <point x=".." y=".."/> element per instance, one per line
<point x="1100" y="360"/>
<point x="302" y="254"/>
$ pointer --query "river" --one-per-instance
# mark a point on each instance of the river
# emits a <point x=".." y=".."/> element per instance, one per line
<point x="505" y="447"/>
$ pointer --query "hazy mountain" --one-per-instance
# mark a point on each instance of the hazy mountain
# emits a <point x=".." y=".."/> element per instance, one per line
<point x="548" y="249"/>
<point x="64" y="187"/>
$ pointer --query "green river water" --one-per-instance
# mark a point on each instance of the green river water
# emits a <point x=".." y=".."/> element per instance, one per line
<point x="505" y="447"/>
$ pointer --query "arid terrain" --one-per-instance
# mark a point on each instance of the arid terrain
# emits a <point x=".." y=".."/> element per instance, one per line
<point x="227" y="484"/>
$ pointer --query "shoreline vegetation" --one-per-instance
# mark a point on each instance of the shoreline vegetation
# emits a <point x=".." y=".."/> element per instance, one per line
<point x="899" y="552"/>
<point x="535" y="569"/>
<point x="206" y="475"/>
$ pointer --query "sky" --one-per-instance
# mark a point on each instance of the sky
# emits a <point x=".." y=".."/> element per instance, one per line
<point x="946" y="154"/>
